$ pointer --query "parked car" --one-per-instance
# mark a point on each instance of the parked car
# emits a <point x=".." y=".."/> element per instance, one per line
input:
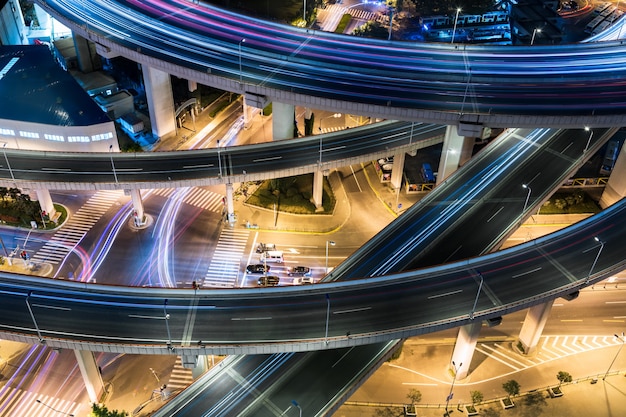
<point x="302" y="280"/>
<point x="265" y="247"/>
<point x="257" y="269"/>
<point x="268" y="281"/>
<point x="299" y="271"/>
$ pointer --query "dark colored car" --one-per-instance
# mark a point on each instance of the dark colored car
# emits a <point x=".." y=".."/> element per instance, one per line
<point x="299" y="271"/>
<point x="268" y="281"/>
<point x="257" y="269"/>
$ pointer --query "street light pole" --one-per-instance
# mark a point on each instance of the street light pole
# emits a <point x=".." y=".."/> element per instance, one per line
<point x="456" y="370"/>
<point x="240" y="69"/>
<point x="332" y="243"/>
<point x="587" y="129"/>
<point x="456" y="19"/>
<point x="304" y="13"/>
<point x="621" y="339"/>
<point x="327" y="317"/>
<point x="4" y="150"/>
<point x="54" y="409"/>
<point x="112" y="164"/>
<point x="166" y="317"/>
<point x="596" y="259"/>
<point x="480" y="287"/>
<point x="32" y="316"/>
<point x="526" y="186"/>
<point x="532" y="39"/>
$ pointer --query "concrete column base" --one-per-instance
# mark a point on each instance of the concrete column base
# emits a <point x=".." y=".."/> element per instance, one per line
<point x="532" y="328"/>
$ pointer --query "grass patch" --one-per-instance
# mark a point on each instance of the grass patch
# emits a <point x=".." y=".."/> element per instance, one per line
<point x="343" y="23"/>
<point x="292" y="195"/>
<point x="576" y="202"/>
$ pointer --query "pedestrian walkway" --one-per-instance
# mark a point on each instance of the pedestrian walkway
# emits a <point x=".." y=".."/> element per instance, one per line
<point x="74" y="230"/>
<point x="197" y="197"/>
<point x="15" y="402"/>
<point x="225" y="265"/>
<point x="180" y="377"/>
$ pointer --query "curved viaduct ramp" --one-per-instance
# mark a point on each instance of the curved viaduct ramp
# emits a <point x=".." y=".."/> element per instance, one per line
<point x="79" y="315"/>
<point x="88" y="171"/>
<point x="566" y="86"/>
<point x="138" y="320"/>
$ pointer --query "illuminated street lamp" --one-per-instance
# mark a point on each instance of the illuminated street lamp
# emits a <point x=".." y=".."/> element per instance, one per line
<point x="449" y="397"/>
<point x="4" y="150"/>
<point x="166" y="317"/>
<point x="532" y="39"/>
<point x="588" y="129"/>
<point x="526" y="186"/>
<point x="332" y="243"/>
<point x="112" y="164"/>
<point x="456" y="19"/>
<point x="621" y="339"/>
<point x="240" y="70"/>
<point x="54" y="409"/>
<point x="596" y="259"/>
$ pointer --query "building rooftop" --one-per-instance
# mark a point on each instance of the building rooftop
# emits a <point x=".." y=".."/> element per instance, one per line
<point x="34" y="88"/>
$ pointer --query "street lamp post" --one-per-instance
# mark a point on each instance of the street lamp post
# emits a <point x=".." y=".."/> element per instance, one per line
<point x="32" y="316"/>
<point x="240" y="69"/>
<point x="166" y="317"/>
<point x="54" y="409"/>
<point x="4" y="150"/>
<point x="295" y="403"/>
<point x="587" y="129"/>
<point x="327" y="317"/>
<point x="332" y="243"/>
<point x="456" y="370"/>
<point x="593" y="265"/>
<point x="480" y="287"/>
<point x="535" y="31"/>
<point x="526" y="186"/>
<point x="112" y="164"/>
<point x="304" y="13"/>
<point x="456" y="19"/>
<point x="621" y="339"/>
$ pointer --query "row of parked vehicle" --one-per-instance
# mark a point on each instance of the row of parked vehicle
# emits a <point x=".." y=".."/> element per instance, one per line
<point x="269" y="254"/>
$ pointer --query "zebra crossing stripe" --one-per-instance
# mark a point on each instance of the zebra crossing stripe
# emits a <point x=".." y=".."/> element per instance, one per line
<point x="17" y="402"/>
<point x="197" y="197"/>
<point x="181" y="377"/>
<point x="60" y="244"/>
<point x="224" y="268"/>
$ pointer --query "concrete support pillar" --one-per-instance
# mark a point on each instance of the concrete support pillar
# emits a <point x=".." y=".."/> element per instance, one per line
<point x="450" y="154"/>
<point x="84" y="54"/>
<point x="192" y="85"/>
<point x="308" y="121"/>
<point x="464" y="348"/>
<point x="534" y="323"/>
<point x="246" y="114"/>
<point x="230" y="206"/>
<point x="160" y="101"/>
<point x="91" y="374"/>
<point x="139" y="214"/>
<point x="467" y="150"/>
<point x="397" y="170"/>
<point x="11" y="24"/>
<point x="318" y="188"/>
<point x="45" y="202"/>
<point x="283" y="121"/>
<point x="201" y="366"/>
<point x="615" y="189"/>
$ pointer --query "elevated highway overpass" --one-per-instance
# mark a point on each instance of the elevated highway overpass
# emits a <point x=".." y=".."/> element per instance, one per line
<point x="566" y="86"/>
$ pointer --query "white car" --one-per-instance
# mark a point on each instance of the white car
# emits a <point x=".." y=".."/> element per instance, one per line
<point x="302" y="280"/>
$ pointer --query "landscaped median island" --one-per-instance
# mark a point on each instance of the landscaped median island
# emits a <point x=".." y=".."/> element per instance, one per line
<point x="292" y="195"/>
<point x="18" y="210"/>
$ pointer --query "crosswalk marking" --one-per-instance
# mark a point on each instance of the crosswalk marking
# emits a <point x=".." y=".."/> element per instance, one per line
<point x="16" y="402"/>
<point x="225" y="265"/>
<point x="550" y="348"/>
<point x="73" y="231"/>
<point x="180" y="378"/>
<point x="197" y="197"/>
